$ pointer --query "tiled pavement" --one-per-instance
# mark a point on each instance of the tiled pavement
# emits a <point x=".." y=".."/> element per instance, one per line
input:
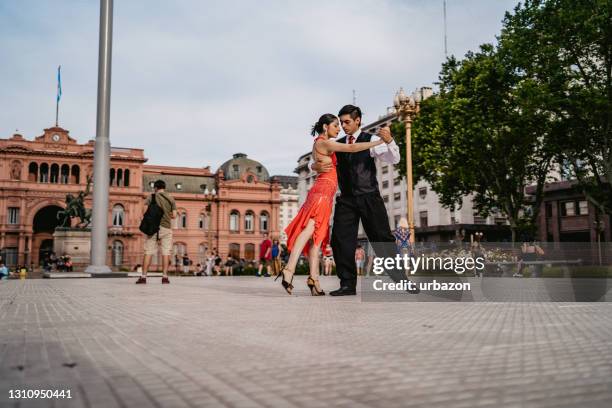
<point x="242" y="342"/>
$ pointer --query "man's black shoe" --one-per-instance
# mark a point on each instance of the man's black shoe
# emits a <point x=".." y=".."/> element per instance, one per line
<point x="343" y="291"/>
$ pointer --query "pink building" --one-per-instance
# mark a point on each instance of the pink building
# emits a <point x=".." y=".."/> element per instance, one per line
<point x="227" y="210"/>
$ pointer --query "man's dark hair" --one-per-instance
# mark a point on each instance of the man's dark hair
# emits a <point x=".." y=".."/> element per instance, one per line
<point x="352" y="110"/>
<point x="160" y="185"/>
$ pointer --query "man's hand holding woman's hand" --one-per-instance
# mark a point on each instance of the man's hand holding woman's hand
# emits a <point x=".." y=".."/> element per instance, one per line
<point x="385" y="134"/>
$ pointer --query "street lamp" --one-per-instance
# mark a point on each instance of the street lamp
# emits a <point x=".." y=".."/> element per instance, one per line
<point x="407" y="107"/>
<point x="209" y="196"/>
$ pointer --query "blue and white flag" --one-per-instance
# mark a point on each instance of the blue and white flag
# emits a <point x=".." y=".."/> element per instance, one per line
<point x="59" y="83"/>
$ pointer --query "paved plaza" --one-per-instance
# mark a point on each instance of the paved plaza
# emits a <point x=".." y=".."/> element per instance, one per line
<point x="242" y="342"/>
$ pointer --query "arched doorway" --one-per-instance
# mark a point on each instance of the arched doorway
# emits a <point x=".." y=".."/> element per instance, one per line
<point x="43" y="227"/>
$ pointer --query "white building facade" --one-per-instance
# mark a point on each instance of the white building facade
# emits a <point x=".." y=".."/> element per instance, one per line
<point x="289" y="206"/>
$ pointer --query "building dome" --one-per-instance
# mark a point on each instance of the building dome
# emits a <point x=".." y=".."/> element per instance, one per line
<point x="239" y="164"/>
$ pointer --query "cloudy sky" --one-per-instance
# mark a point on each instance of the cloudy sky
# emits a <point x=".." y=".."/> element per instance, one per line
<point x="195" y="81"/>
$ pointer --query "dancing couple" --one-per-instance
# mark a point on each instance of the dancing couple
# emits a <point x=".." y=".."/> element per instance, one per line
<point x="347" y="163"/>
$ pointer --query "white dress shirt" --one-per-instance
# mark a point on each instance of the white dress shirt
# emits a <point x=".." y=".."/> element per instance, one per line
<point x="386" y="152"/>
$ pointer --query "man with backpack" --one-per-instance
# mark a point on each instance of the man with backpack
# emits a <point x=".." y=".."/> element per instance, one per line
<point x="157" y="226"/>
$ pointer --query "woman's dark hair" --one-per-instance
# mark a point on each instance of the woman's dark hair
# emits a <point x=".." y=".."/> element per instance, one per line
<point x="325" y="119"/>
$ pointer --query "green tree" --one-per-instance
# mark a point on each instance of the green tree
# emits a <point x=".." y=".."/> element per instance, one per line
<point x="483" y="134"/>
<point x="565" y="48"/>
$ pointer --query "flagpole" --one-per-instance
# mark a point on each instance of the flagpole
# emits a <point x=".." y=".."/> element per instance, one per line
<point x="59" y="95"/>
<point x="101" y="176"/>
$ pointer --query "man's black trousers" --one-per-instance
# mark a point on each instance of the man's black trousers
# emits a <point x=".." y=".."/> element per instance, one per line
<point x="370" y="208"/>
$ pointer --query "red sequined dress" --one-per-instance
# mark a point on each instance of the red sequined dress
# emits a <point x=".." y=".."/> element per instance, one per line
<point x="318" y="206"/>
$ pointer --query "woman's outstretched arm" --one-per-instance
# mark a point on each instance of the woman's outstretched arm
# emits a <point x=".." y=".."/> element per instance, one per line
<point x="332" y="146"/>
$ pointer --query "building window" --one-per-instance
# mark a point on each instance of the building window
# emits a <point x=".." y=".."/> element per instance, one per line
<point x="75" y="174"/>
<point x="126" y="178"/>
<point x="583" y="207"/>
<point x="44" y="173"/>
<point x="234" y="221"/>
<point x="118" y="215"/>
<point x="119" y="177"/>
<point x="386" y="199"/>
<point x="33" y="172"/>
<point x="235" y="168"/>
<point x="13" y="215"/>
<point x="396" y="181"/>
<point x="568" y="209"/>
<point x="64" y="174"/>
<point x="111" y="178"/>
<point x="263" y="221"/>
<point x="423" y="192"/>
<point x="249" y="219"/>
<point x="54" y="173"/>
<point x="249" y="252"/>
<point x="479" y="219"/>
<point x="423" y="218"/>
<point x="117" y="253"/>
<point x="234" y="250"/>
<point x="385" y="169"/>
<point x="179" y="249"/>
<point x="385" y="184"/>
<point x="182" y="219"/>
<point x="397" y="196"/>
<point x="11" y="255"/>
<point x="201" y="221"/>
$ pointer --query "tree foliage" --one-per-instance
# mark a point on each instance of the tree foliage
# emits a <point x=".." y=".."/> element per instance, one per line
<point x="484" y="135"/>
<point x="507" y="112"/>
<point x="565" y="46"/>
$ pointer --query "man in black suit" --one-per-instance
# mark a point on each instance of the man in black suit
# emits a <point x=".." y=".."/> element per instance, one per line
<point x="360" y="200"/>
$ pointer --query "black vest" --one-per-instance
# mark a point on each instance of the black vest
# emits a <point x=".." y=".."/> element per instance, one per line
<point x="357" y="171"/>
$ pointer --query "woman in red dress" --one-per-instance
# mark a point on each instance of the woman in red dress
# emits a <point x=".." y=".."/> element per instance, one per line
<point x="310" y="228"/>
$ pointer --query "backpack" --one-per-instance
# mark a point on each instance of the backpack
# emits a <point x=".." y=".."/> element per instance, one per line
<point x="151" y="218"/>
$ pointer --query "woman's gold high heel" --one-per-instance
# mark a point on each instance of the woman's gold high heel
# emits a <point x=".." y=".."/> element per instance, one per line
<point x="313" y="287"/>
<point x="287" y="285"/>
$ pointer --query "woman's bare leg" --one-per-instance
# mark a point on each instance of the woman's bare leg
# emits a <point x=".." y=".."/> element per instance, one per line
<point x="313" y="258"/>
<point x="298" y="246"/>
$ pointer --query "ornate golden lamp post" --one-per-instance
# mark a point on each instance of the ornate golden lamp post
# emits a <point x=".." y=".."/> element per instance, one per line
<point x="407" y="108"/>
